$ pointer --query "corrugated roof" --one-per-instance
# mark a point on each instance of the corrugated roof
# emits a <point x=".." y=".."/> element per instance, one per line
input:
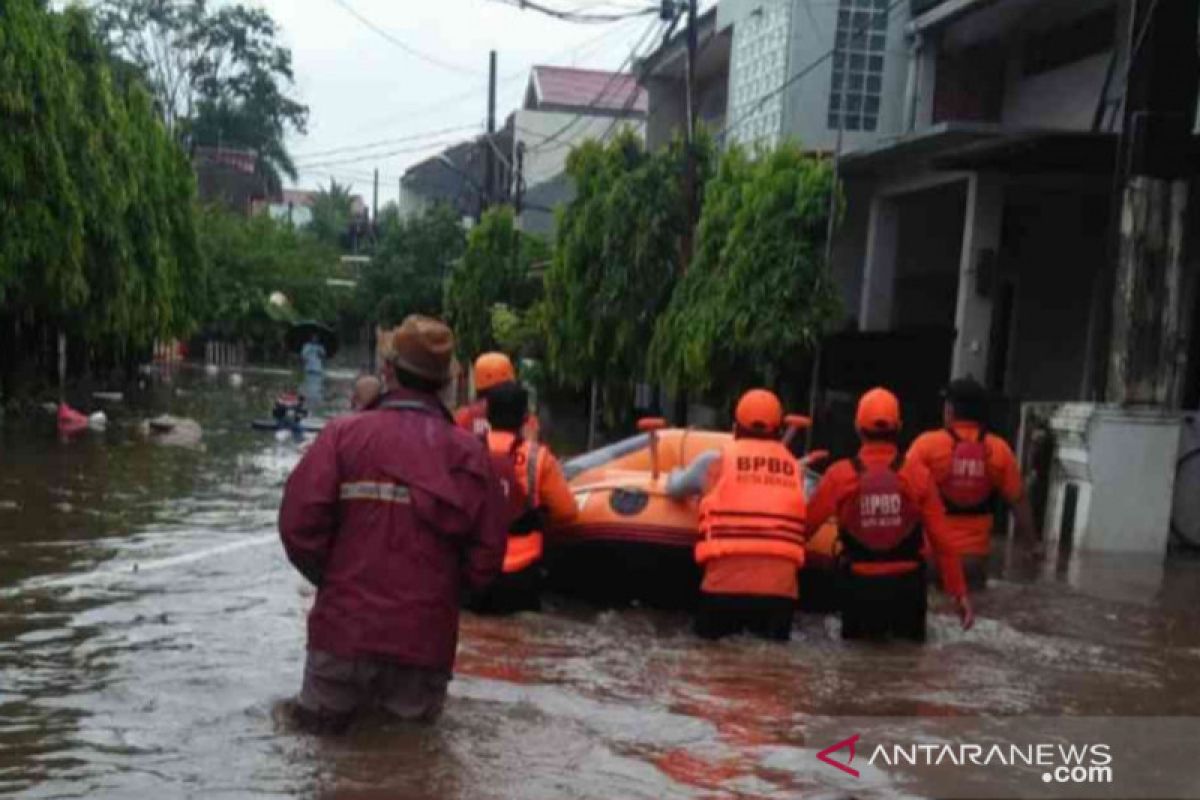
<point x="588" y="88"/>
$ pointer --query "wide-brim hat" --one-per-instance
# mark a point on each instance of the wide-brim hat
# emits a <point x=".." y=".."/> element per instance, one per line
<point x="424" y="347"/>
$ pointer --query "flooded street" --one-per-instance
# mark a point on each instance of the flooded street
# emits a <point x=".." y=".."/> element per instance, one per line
<point x="150" y="628"/>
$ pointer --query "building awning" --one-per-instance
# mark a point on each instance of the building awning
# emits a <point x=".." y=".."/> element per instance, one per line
<point x="973" y="147"/>
<point x="916" y="149"/>
<point x="1063" y="152"/>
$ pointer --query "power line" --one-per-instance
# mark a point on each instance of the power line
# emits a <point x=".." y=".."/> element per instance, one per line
<point x="384" y="142"/>
<point x="407" y="48"/>
<point x="657" y="25"/>
<point x="580" y="16"/>
<point x="383" y="156"/>
<point x="507" y="80"/>
<point x="670" y="30"/>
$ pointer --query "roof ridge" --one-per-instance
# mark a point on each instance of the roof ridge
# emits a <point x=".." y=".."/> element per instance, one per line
<point x="582" y="69"/>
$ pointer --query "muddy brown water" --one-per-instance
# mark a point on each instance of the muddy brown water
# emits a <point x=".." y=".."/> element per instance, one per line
<point x="151" y="629"/>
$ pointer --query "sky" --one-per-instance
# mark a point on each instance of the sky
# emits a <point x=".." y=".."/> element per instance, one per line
<point x="395" y="108"/>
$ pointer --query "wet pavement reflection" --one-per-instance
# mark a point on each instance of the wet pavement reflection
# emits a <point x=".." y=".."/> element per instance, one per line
<point x="150" y="630"/>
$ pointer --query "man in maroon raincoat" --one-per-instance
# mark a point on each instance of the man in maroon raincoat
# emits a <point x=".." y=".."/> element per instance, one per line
<point x="391" y="514"/>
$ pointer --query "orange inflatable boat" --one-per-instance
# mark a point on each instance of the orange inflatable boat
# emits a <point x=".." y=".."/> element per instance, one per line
<point x="630" y="533"/>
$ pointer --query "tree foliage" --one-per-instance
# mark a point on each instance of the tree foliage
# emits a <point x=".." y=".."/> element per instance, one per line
<point x="251" y="258"/>
<point x="217" y="74"/>
<point x="332" y="209"/>
<point x="494" y="271"/>
<point x="758" y="295"/>
<point x="97" y="231"/>
<point x="616" y="258"/>
<point x="411" y="264"/>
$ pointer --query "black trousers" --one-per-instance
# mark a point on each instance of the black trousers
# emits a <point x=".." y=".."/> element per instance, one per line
<point x="510" y="593"/>
<point x="720" y="615"/>
<point x="880" y="607"/>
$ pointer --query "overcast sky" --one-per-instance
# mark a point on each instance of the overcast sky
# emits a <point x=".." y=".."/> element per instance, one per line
<point x="362" y="89"/>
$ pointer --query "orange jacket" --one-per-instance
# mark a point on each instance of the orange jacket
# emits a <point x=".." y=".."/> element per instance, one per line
<point x="971" y="533"/>
<point x="840" y="484"/>
<point x="543" y="483"/>
<point x="752" y="520"/>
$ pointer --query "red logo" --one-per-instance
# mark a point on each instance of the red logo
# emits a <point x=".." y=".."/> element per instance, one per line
<point x="844" y="767"/>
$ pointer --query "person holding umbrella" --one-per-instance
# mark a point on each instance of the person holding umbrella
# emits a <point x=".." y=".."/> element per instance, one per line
<point x="313" y="355"/>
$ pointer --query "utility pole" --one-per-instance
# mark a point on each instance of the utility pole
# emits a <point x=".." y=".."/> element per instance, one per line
<point x="489" y="175"/>
<point x="517" y="199"/>
<point x="1147" y="342"/>
<point x="689" y="176"/>
<point x="519" y="185"/>
<point x="375" y="205"/>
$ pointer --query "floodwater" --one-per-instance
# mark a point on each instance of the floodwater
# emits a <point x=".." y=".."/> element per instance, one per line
<point x="151" y="629"/>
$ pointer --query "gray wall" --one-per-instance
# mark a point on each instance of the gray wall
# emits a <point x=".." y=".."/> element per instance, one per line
<point x="850" y="246"/>
<point x="928" y="254"/>
<point x="668" y="108"/>
<point x="806" y="102"/>
<point x="1053" y="246"/>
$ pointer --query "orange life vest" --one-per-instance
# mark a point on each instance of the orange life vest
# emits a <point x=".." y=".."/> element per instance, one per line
<point x="880" y="521"/>
<point x="757" y="507"/>
<point x="967" y="489"/>
<point x="525" y="544"/>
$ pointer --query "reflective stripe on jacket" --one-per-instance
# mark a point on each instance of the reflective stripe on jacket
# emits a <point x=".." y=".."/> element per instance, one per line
<point x="392" y="513"/>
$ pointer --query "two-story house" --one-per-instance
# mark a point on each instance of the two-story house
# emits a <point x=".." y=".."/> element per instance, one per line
<point x="990" y="214"/>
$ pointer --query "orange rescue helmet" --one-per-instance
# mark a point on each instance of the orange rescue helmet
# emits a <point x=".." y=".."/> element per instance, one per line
<point x="760" y="411"/>
<point x="491" y="370"/>
<point x="878" y="412"/>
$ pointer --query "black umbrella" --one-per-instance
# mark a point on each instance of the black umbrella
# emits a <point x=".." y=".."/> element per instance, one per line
<point x="302" y="332"/>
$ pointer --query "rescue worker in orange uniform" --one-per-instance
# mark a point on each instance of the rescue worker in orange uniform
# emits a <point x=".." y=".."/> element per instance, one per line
<point x="886" y="506"/>
<point x="752" y="524"/>
<point x="491" y="370"/>
<point x="541" y="496"/>
<point x="973" y="469"/>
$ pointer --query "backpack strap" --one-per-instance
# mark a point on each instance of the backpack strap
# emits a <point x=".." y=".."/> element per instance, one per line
<point x="531" y="471"/>
<point x="983" y="432"/>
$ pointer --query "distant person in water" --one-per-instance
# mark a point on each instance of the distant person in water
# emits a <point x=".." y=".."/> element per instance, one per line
<point x="313" y="355"/>
<point x="367" y="391"/>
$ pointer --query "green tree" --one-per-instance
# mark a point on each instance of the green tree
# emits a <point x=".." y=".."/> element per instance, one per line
<point x="41" y="219"/>
<point x="758" y="296"/>
<point x="412" y="261"/>
<point x="493" y="274"/>
<point x="616" y="260"/>
<point x="249" y="260"/>
<point x="218" y="74"/>
<point x="332" y="210"/>
<point x="97" y="233"/>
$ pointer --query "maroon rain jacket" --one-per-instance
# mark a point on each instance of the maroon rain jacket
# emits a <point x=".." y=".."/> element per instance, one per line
<point x="391" y="514"/>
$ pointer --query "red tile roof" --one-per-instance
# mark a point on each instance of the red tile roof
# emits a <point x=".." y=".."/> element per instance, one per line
<point x="583" y="88"/>
<point x="240" y="160"/>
